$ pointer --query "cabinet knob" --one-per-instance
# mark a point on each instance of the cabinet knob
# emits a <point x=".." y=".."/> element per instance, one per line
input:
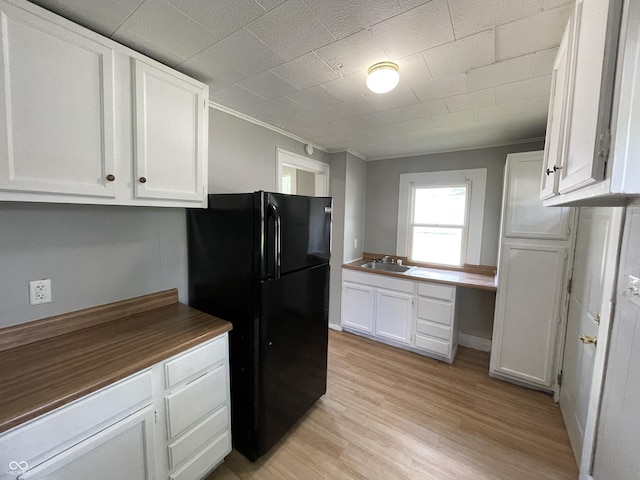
<point x="586" y="339"/>
<point x="111" y="177"/>
<point x="143" y="180"/>
<point x="555" y="169"/>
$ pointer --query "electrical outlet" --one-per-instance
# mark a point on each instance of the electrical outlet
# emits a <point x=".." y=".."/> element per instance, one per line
<point x="355" y="243"/>
<point x="40" y="291"/>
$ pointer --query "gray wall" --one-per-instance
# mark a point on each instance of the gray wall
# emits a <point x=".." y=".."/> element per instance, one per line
<point x="338" y="175"/>
<point x="355" y="198"/>
<point x="383" y="178"/>
<point x="92" y="254"/>
<point x="242" y="155"/>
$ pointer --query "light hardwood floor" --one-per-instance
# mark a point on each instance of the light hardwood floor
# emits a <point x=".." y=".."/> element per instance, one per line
<point x="390" y="414"/>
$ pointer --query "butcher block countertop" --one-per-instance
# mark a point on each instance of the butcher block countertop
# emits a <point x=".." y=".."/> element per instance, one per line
<point x="482" y="278"/>
<point x="48" y="363"/>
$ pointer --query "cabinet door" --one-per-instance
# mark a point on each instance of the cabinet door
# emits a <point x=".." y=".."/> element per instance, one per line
<point x="170" y="135"/>
<point x="123" y="450"/>
<point x="358" y="303"/>
<point x="527" y="312"/>
<point x="56" y="108"/>
<point x="394" y="311"/>
<point x="554" y="142"/>
<point x="593" y="55"/>
<point x="524" y="214"/>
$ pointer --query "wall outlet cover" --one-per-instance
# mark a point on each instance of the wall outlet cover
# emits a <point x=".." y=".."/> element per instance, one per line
<point x="40" y="291"/>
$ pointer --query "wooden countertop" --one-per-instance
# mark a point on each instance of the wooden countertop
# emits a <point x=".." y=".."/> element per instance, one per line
<point x="436" y="275"/>
<point x="125" y="337"/>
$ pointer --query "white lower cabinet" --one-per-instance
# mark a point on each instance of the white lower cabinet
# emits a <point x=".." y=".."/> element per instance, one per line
<point x="169" y="421"/>
<point x="413" y="315"/>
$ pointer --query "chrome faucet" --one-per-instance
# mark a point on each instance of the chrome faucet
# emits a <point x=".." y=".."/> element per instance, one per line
<point x="387" y="259"/>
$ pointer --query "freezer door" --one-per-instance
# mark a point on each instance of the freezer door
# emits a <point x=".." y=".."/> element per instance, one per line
<point x="298" y="232"/>
<point x="293" y="350"/>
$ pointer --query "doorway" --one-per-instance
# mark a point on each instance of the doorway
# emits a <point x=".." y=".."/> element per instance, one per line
<point x="299" y="175"/>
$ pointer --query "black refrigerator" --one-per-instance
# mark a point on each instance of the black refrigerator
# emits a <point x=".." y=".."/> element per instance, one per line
<point x="261" y="261"/>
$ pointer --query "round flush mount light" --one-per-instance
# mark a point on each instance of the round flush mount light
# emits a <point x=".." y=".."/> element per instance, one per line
<point x="383" y="77"/>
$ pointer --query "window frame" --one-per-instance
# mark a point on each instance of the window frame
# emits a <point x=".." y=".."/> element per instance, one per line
<point x="477" y="177"/>
<point x="465" y="226"/>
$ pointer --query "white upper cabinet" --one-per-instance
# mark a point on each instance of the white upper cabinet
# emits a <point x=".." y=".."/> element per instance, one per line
<point x="85" y="120"/>
<point x="588" y="146"/>
<point x="169" y="135"/>
<point x="57" y="108"/>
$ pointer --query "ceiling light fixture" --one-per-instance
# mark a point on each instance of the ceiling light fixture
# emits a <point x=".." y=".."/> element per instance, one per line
<point x="383" y="77"/>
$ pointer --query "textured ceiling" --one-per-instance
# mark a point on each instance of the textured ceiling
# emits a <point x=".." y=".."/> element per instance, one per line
<point x="473" y="72"/>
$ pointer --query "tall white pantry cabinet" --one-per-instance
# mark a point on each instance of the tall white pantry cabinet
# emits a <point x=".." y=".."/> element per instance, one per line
<point x="535" y="245"/>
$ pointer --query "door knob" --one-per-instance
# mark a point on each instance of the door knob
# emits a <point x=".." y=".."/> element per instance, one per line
<point x="586" y="339"/>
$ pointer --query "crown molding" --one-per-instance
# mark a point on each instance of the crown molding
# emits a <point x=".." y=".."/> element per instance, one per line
<point x="266" y="125"/>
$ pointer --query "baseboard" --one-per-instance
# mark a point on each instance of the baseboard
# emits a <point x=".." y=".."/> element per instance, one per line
<point x="477" y="343"/>
<point x="335" y="326"/>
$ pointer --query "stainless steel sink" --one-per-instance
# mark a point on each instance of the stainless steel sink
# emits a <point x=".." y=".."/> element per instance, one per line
<point x="386" y="267"/>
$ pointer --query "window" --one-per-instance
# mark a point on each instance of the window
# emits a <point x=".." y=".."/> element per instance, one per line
<point x="440" y="216"/>
<point x="439" y="220"/>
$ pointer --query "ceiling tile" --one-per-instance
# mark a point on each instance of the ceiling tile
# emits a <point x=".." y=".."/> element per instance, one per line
<point x="206" y="68"/>
<point x="398" y="97"/>
<point x="281" y="107"/>
<point x="410" y="112"/>
<point x="424" y="27"/>
<point x="167" y="27"/>
<point x="269" y="4"/>
<point x="291" y="29"/>
<point x="322" y="128"/>
<point x="534" y="87"/>
<point x="411" y="4"/>
<point x="501" y="110"/>
<point x="532" y="34"/>
<point x="236" y="96"/>
<point x="353" y="54"/>
<point x="353" y="123"/>
<point x="471" y="100"/>
<point x="500" y="73"/>
<point x="413" y="68"/>
<point x="462" y="55"/>
<point x="243" y="51"/>
<point x="313" y="97"/>
<point x="343" y="89"/>
<point x="345" y="18"/>
<point x="321" y="115"/>
<point x="417" y="125"/>
<point x="221" y="17"/>
<point x="473" y="16"/>
<point x="352" y="109"/>
<point x="457" y="118"/>
<point x="104" y="17"/>
<point x="268" y="85"/>
<point x="148" y="48"/>
<point x="441" y="87"/>
<point x="305" y="71"/>
<point x="537" y="104"/>
<point x="543" y="62"/>
<point x="549" y="4"/>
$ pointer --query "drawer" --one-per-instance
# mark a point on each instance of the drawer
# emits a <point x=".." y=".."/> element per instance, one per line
<point x="377" y="280"/>
<point x="195" y="360"/>
<point x="435" y="310"/>
<point x="200" y="435"/>
<point x="434" y="330"/>
<point x="195" y="401"/>
<point x="435" y="290"/>
<point x="65" y="426"/>
<point x="433" y="345"/>
<point x="205" y="460"/>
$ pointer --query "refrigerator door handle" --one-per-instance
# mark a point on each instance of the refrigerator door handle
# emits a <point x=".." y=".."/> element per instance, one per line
<point x="273" y="212"/>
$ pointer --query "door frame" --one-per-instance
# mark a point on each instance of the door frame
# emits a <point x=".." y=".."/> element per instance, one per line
<point x="290" y="159"/>
<point x="609" y="285"/>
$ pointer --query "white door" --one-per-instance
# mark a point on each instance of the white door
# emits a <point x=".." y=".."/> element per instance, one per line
<point x="56" y="108"/>
<point x="554" y="141"/>
<point x="170" y="135"/>
<point x="358" y="304"/>
<point x="528" y="312"/>
<point x="585" y="307"/>
<point x="123" y="450"/>
<point x="589" y="90"/>
<point x="300" y="175"/>
<point x="394" y="311"/>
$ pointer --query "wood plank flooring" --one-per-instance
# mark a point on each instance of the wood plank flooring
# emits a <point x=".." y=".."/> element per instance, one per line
<point x="390" y="414"/>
